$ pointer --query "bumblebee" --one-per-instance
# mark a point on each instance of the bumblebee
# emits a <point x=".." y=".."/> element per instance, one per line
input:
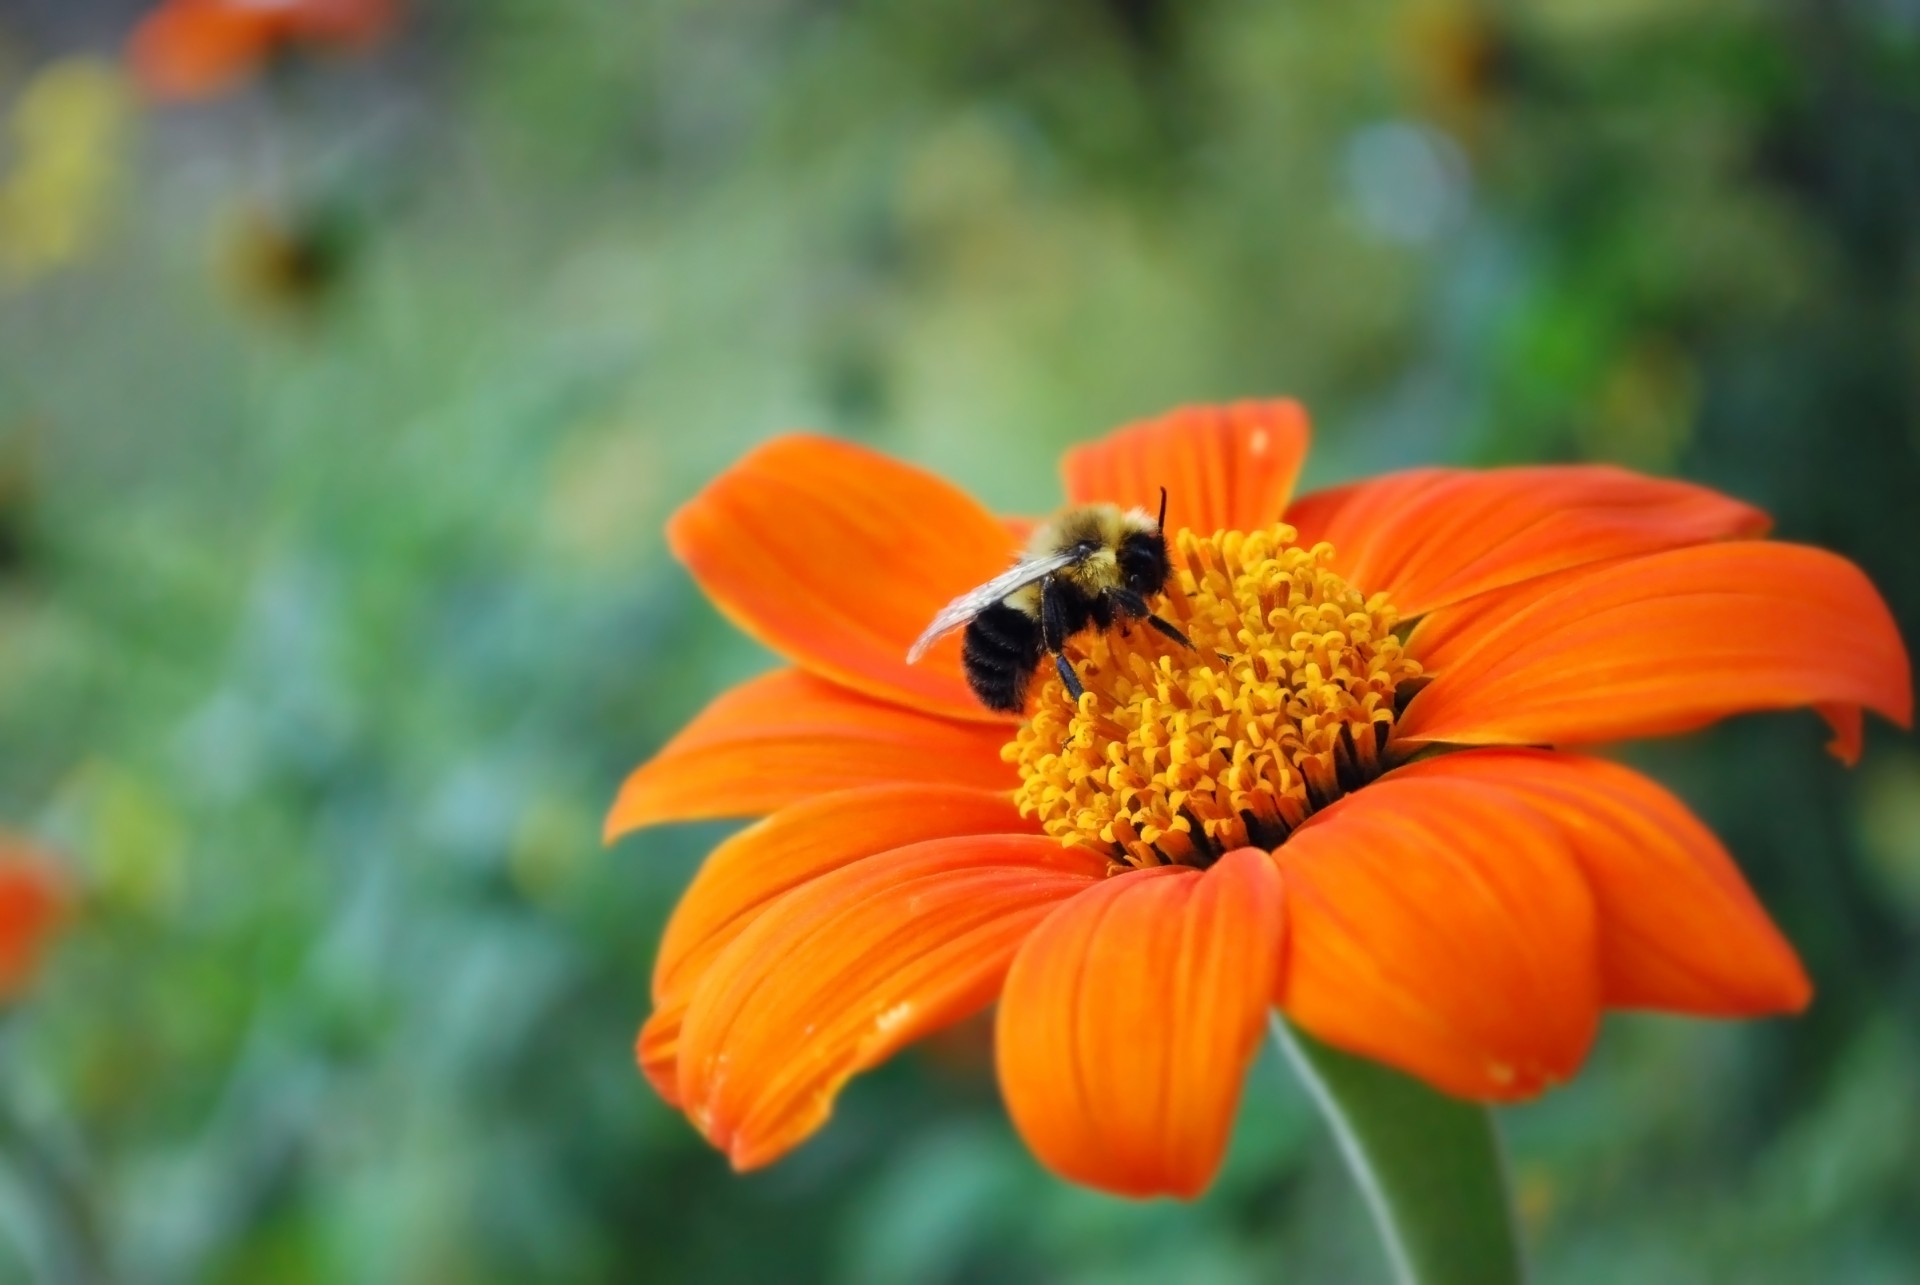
<point x="1093" y="565"/>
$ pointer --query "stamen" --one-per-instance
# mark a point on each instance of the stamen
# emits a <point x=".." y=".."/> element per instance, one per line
<point x="1283" y="704"/>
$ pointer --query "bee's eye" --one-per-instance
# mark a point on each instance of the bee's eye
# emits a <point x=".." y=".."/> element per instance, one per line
<point x="1143" y="567"/>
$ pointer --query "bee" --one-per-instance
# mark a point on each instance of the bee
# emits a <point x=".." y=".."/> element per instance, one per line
<point x="1091" y="565"/>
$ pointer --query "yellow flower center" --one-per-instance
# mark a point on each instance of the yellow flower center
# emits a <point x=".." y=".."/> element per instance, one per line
<point x="1175" y="756"/>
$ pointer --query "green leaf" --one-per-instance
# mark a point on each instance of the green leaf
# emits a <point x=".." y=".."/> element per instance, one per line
<point x="1429" y="1166"/>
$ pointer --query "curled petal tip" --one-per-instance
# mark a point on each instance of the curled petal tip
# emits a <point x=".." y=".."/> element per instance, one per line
<point x="1660" y="644"/>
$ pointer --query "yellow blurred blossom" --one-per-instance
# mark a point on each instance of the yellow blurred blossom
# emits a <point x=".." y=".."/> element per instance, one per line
<point x="134" y="841"/>
<point x="65" y="137"/>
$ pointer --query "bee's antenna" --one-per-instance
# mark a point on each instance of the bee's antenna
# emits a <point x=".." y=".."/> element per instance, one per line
<point x="1161" y="521"/>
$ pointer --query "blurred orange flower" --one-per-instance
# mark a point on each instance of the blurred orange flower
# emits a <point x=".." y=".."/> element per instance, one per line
<point x="31" y="905"/>
<point x="190" y="49"/>
<point x="1340" y="803"/>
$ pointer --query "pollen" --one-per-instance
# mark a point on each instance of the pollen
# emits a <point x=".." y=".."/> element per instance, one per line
<point x="1284" y="704"/>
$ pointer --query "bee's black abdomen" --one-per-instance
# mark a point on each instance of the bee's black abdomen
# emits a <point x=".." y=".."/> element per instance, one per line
<point x="1001" y="650"/>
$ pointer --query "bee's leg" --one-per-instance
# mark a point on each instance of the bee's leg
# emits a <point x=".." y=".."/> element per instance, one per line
<point x="1070" y="679"/>
<point x="1135" y="606"/>
<point x="1171" y="631"/>
<point x="1053" y="617"/>
<point x="1054" y="631"/>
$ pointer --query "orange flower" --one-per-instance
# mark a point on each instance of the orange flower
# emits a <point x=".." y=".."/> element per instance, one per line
<point x="190" y="49"/>
<point x="1339" y="803"/>
<point x="31" y="904"/>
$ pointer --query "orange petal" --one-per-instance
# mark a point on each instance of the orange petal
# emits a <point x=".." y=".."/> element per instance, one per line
<point x="787" y="736"/>
<point x="1128" y="1020"/>
<point x="837" y="558"/>
<point x="189" y="49"/>
<point x="1660" y="644"/>
<point x="1429" y="537"/>
<point x="793" y="846"/>
<point x="1438" y="931"/>
<point x="657" y="1051"/>
<point x="1443" y="633"/>
<point x="31" y="905"/>
<point x="838" y="974"/>
<point x="1679" y="928"/>
<point x="1226" y="468"/>
<point x="1849" y="730"/>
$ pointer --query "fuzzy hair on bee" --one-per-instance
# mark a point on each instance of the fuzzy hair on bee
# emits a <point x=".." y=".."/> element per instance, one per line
<point x="1090" y="566"/>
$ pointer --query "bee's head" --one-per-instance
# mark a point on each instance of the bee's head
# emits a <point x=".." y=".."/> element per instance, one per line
<point x="1142" y="558"/>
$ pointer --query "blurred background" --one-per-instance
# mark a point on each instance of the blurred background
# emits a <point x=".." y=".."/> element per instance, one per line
<point x="346" y="380"/>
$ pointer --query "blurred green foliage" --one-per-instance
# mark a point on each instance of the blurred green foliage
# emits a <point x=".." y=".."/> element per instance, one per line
<point x="338" y="422"/>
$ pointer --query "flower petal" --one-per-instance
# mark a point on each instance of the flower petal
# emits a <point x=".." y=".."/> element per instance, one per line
<point x="1129" y="1018"/>
<point x="1429" y="537"/>
<point x="1226" y="468"/>
<point x="795" y="845"/>
<point x="837" y="558"/>
<point x="1433" y="929"/>
<point x="1679" y="928"/>
<point x="838" y="974"/>
<point x="1020" y="529"/>
<point x="657" y="1050"/>
<point x="787" y="736"/>
<point x="1660" y="644"/>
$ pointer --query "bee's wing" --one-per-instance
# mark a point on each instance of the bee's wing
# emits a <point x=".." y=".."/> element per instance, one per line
<point x="957" y="613"/>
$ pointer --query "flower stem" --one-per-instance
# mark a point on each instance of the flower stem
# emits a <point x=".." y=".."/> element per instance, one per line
<point x="1429" y="1166"/>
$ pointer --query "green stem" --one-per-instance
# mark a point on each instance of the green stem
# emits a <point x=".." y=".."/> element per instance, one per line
<point x="1429" y="1166"/>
